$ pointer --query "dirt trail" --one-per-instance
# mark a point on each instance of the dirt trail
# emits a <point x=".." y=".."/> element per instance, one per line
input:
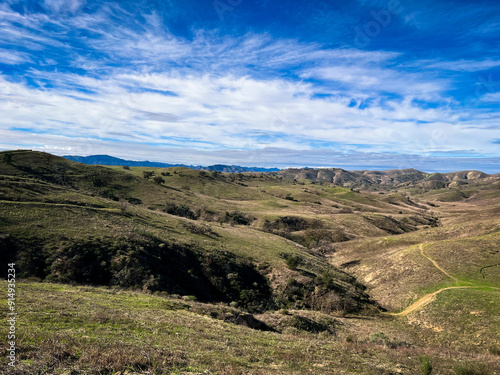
<point x="435" y="264"/>
<point x="425" y="300"/>
<point x="428" y="298"/>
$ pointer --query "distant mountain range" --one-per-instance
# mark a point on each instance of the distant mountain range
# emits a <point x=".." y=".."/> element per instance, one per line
<point x="395" y="178"/>
<point x="111" y="160"/>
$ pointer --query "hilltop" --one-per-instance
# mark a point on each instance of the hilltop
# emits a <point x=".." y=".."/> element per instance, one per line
<point x="278" y="272"/>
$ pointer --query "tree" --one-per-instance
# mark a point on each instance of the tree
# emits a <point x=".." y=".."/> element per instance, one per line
<point x="148" y="174"/>
<point x="159" y="180"/>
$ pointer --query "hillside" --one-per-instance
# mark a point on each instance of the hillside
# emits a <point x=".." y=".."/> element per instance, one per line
<point x="392" y="179"/>
<point x="175" y="270"/>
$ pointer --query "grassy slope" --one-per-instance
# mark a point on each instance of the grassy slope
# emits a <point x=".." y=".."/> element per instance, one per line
<point x="98" y="330"/>
<point x="398" y="274"/>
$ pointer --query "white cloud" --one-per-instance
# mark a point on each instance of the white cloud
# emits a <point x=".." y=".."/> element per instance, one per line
<point x="57" y="6"/>
<point x="491" y="97"/>
<point x="210" y="112"/>
<point x="460" y="65"/>
<point x="13" y="57"/>
<point x="377" y="80"/>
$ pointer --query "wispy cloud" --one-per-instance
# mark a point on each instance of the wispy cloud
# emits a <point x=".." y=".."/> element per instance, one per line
<point x="463" y="65"/>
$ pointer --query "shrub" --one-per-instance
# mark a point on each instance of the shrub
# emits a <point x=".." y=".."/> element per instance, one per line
<point x="148" y="174"/>
<point x="159" y="180"/>
<point x="293" y="261"/>
<point x="305" y="324"/>
<point x="108" y="193"/>
<point x="7" y="157"/>
<point x="237" y="218"/>
<point x="200" y="229"/>
<point x="180" y="210"/>
<point x="134" y="201"/>
<point x="289" y="224"/>
<point x="122" y="204"/>
<point x="425" y="364"/>
<point x="379" y="338"/>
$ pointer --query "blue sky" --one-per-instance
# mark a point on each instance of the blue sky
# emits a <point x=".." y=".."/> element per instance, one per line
<point x="359" y="84"/>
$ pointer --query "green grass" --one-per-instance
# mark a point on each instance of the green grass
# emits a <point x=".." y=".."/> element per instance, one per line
<point x="98" y="330"/>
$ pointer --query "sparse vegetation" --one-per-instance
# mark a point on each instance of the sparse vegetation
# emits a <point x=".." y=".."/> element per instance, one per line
<point x="470" y="369"/>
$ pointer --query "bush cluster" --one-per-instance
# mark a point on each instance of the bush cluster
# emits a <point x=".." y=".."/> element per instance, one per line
<point x="145" y="262"/>
<point x="181" y="210"/>
<point x="237" y="218"/>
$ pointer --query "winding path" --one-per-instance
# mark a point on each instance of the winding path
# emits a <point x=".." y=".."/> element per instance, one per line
<point x="428" y="298"/>
<point x="425" y="300"/>
<point x="435" y="263"/>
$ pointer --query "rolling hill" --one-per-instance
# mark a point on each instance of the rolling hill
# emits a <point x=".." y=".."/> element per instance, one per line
<point x="176" y="270"/>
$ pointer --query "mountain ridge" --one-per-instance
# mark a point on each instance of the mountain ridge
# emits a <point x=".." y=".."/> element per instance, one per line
<point x="364" y="179"/>
<point x="390" y="178"/>
<point x="111" y="160"/>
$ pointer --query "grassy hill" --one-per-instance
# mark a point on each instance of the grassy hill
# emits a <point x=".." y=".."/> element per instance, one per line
<point x="189" y="271"/>
<point x="393" y="179"/>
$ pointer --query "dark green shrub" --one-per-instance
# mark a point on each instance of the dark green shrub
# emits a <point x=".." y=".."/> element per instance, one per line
<point x="180" y="210"/>
<point x="238" y="218"/>
<point x="158" y="180"/>
<point x="108" y="193"/>
<point x="425" y="365"/>
<point x="293" y="261"/>
<point x="305" y="324"/>
<point x="148" y="174"/>
<point x="134" y="201"/>
<point x="200" y="229"/>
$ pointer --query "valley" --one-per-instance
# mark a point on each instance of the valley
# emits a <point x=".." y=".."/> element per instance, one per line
<point x="181" y="271"/>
